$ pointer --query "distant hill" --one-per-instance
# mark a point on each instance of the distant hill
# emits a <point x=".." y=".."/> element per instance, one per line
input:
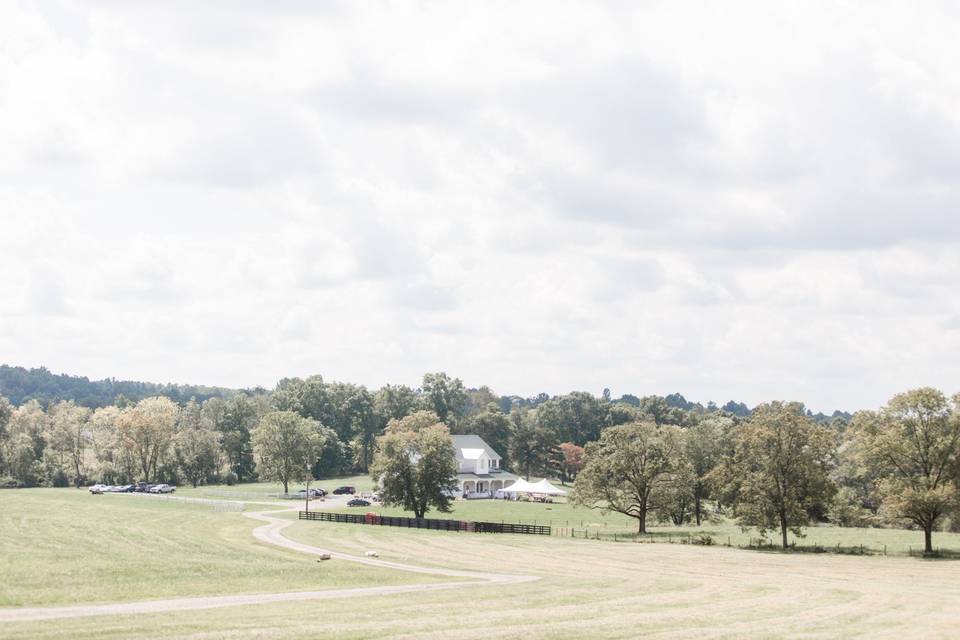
<point x="20" y="385"/>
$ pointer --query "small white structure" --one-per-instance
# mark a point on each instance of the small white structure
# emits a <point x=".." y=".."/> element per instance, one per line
<point x="479" y="471"/>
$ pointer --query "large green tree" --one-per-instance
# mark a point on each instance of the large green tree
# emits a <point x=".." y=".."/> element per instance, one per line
<point x="634" y="469"/>
<point x="415" y="464"/>
<point x="778" y="477"/>
<point x="286" y="445"/>
<point x="913" y="446"/>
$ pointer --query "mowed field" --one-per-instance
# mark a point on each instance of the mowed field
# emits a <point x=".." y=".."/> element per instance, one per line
<point x="586" y="588"/>
<point x="65" y="546"/>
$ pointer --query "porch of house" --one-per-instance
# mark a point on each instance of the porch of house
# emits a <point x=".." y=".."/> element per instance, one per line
<point x="479" y="487"/>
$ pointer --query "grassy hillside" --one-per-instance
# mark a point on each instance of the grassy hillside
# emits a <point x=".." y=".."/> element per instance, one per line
<point x="61" y="546"/>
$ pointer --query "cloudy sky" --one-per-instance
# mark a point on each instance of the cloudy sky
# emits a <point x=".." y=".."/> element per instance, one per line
<point x="730" y="200"/>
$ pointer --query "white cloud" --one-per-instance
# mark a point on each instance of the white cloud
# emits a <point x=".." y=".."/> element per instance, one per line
<point x="748" y="201"/>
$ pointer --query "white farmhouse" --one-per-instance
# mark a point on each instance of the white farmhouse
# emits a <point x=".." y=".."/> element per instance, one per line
<point x="479" y="474"/>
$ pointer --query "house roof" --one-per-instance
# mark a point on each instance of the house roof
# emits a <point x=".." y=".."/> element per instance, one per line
<point x="471" y="447"/>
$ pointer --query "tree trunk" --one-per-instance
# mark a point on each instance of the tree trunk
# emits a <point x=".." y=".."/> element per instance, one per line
<point x="783" y="527"/>
<point x="697" y="507"/>
<point x="928" y="539"/>
<point x="285" y="488"/>
<point x="642" y="522"/>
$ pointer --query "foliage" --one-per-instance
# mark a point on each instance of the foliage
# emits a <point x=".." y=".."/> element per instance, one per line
<point x="287" y="445"/>
<point x="635" y="469"/>
<point x="778" y="477"/>
<point x="445" y="396"/>
<point x="530" y="442"/>
<point x="146" y="431"/>
<point x="913" y="446"/>
<point x="415" y="464"/>
<point x="21" y="385"/>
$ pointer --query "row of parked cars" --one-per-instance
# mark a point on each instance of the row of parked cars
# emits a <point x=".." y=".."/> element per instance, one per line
<point x="140" y="487"/>
<point x="319" y="493"/>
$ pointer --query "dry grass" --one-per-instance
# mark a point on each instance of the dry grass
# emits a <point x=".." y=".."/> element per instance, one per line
<point x="589" y="590"/>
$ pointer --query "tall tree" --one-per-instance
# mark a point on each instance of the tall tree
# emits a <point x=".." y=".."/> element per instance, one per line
<point x="445" y="396"/>
<point x="287" y="445"/>
<point x="67" y="437"/>
<point x="416" y="464"/>
<point x="913" y="446"/>
<point x="577" y="417"/>
<point x="196" y="445"/>
<point x="146" y="430"/>
<point x="491" y="425"/>
<point x="393" y="402"/>
<point x="567" y="460"/>
<point x="530" y="443"/>
<point x="705" y="442"/>
<point x="240" y="415"/>
<point x="778" y="477"/>
<point x="633" y="469"/>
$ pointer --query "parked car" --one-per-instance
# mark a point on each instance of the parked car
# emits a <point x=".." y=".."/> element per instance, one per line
<point x="117" y="488"/>
<point x="314" y="493"/>
<point x="340" y="491"/>
<point x="98" y="488"/>
<point x="142" y="487"/>
<point x="358" y="502"/>
<point x="162" y="488"/>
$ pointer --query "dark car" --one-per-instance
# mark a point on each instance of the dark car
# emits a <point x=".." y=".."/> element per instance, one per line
<point x="358" y="502"/>
<point x="340" y="491"/>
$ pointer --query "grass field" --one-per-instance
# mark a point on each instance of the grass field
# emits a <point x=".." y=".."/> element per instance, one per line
<point x="588" y="590"/>
<point x="590" y="522"/>
<point x="60" y="546"/>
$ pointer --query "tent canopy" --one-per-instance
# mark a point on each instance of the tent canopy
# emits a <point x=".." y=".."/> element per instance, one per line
<point x="543" y="487"/>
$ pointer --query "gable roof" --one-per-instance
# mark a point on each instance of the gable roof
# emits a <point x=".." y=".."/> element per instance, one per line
<point x="471" y="447"/>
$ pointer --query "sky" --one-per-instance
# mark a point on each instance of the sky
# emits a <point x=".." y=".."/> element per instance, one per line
<point x="749" y="201"/>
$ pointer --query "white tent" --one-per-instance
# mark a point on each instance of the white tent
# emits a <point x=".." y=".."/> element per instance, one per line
<point x="543" y="488"/>
<point x="548" y="489"/>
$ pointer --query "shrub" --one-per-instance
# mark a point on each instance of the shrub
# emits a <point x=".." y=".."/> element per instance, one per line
<point x="230" y="478"/>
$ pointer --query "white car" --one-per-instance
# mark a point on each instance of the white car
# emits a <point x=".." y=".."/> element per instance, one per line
<point x="162" y="488"/>
<point x="98" y="488"/>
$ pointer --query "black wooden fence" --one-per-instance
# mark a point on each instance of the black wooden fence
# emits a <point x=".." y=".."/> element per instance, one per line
<point x="427" y="523"/>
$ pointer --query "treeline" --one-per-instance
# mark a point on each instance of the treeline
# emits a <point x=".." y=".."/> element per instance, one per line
<point x="20" y="385"/>
<point x="781" y="470"/>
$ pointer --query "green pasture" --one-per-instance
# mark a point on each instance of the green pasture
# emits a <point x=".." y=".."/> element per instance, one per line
<point x="66" y="546"/>
<point x="580" y="522"/>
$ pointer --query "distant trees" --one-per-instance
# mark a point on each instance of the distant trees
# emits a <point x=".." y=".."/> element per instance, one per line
<point x="567" y="461"/>
<point x="196" y="444"/>
<point x="778" y="477"/>
<point x="445" y="396"/>
<point x="415" y="464"/>
<point x="913" y="446"/>
<point x="530" y="442"/>
<point x="286" y="446"/>
<point x="146" y="430"/>
<point x="634" y="469"/>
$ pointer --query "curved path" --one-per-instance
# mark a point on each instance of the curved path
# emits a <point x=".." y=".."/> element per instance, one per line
<point x="270" y="533"/>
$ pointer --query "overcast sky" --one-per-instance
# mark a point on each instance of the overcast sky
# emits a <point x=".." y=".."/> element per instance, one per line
<point x="729" y="200"/>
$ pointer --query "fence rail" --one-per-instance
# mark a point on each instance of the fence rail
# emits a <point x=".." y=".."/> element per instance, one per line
<point x="427" y="523"/>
